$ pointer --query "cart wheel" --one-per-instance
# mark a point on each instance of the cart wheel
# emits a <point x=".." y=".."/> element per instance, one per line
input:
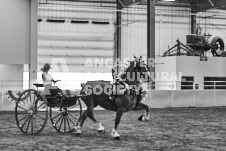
<point x="217" y="46"/>
<point x="31" y="112"/>
<point x="64" y="119"/>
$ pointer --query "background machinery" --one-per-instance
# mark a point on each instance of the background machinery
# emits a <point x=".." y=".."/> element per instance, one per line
<point x="197" y="45"/>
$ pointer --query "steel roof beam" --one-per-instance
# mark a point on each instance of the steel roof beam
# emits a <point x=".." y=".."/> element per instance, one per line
<point x="85" y="1"/>
<point x="197" y="5"/>
<point x="203" y="5"/>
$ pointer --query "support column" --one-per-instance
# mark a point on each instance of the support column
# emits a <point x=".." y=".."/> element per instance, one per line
<point x="193" y="19"/>
<point x="151" y="34"/>
<point x="118" y="33"/>
<point x="33" y="40"/>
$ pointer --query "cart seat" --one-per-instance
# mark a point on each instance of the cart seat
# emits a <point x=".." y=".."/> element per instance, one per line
<point x="38" y="85"/>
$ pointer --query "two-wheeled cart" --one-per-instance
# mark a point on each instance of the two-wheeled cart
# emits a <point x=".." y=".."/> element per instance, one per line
<point x="33" y="107"/>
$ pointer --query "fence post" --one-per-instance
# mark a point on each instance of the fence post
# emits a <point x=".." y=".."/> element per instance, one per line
<point x="194" y="98"/>
<point x="214" y="98"/>
<point x="172" y="98"/>
<point x="2" y="99"/>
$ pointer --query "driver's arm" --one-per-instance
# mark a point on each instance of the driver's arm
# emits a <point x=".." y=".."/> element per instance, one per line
<point x="43" y="76"/>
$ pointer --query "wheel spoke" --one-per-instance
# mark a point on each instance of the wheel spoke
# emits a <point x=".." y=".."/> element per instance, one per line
<point x="32" y="125"/>
<point x="34" y="102"/>
<point x="36" y="124"/>
<point x="40" y="117"/>
<point x="72" y="106"/>
<point x="65" y="123"/>
<point x="23" y="118"/>
<point x="39" y="106"/>
<point x="25" y="122"/>
<point x="27" y="101"/>
<point x="30" y="99"/>
<point x="68" y="124"/>
<point x="61" y="122"/>
<point x="30" y="117"/>
<point x="67" y="118"/>
<point x="28" y="124"/>
<point x="58" y="119"/>
<point x="71" y="120"/>
<point x="73" y="116"/>
<point x="57" y="116"/>
<point x="22" y="108"/>
<point x="39" y="121"/>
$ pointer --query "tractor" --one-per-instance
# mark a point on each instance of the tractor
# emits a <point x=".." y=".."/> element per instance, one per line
<point x="197" y="45"/>
<point x="201" y="44"/>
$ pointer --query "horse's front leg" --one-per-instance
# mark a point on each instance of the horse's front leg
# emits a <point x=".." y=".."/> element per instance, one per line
<point x="144" y="117"/>
<point x="114" y="132"/>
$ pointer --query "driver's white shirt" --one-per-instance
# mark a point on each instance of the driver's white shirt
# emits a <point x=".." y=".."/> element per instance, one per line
<point x="48" y="79"/>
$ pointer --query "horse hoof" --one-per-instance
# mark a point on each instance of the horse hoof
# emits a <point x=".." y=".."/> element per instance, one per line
<point x="141" y="118"/>
<point x="78" y="134"/>
<point x="117" y="138"/>
<point x="101" y="131"/>
<point x="78" y="130"/>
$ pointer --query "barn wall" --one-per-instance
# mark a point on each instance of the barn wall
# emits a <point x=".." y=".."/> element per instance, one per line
<point x="192" y="66"/>
<point x="18" y="30"/>
<point x="164" y="69"/>
<point x="15" y="31"/>
<point x="189" y="67"/>
<point x="11" y="76"/>
<point x="73" y="43"/>
<point x="171" y="23"/>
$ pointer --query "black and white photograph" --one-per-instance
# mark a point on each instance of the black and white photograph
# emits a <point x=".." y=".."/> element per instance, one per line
<point x="112" y="75"/>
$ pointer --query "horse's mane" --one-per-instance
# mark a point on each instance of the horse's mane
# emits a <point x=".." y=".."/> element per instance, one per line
<point x="124" y="73"/>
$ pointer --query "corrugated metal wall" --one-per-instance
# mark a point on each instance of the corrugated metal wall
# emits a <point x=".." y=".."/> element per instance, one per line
<point x="75" y="42"/>
<point x="70" y="44"/>
<point x="171" y="23"/>
<point x="134" y="31"/>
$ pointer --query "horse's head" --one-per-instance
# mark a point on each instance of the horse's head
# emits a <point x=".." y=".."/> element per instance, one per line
<point x="135" y="72"/>
<point x="142" y="68"/>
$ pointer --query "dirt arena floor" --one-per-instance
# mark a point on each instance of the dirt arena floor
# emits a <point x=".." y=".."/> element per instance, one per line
<point x="195" y="129"/>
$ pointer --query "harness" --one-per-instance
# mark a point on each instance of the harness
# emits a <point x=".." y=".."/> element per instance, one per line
<point x="120" y="88"/>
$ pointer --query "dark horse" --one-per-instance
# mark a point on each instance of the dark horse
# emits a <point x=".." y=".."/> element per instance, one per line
<point x="122" y="96"/>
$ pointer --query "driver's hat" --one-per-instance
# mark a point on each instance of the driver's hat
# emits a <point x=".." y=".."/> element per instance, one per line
<point x="46" y="66"/>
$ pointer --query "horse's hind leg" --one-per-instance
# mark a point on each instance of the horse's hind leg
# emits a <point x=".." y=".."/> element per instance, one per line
<point x="87" y="112"/>
<point x="91" y="116"/>
<point x="79" y="126"/>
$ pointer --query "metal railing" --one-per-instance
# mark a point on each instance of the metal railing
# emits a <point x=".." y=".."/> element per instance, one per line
<point x="190" y="85"/>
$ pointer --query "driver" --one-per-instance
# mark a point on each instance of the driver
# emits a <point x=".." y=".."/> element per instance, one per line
<point x="47" y="81"/>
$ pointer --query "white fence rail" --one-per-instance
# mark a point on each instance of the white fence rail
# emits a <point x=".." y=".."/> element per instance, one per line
<point x="187" y="98"/>
<point x="10" y="91"/>
<point x="158" y="85"/>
